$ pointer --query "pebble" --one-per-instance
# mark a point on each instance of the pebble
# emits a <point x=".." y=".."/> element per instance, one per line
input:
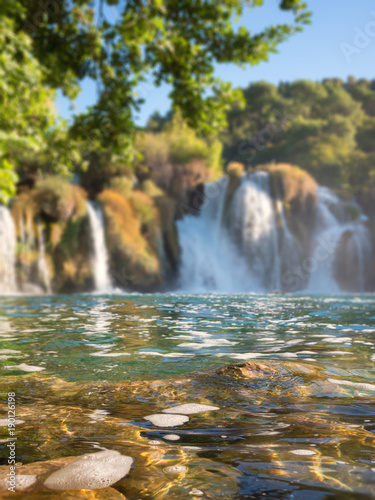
<point x="189" y="409"/>
<point x="175" y="469"/>
<point x="303" y="452"/>
<point x="172" y="437"/>
<point x="162" y="420"/>
<point x="91" y="471"/>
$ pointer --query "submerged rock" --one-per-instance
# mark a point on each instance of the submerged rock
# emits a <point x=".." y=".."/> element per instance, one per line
<point x="91" y="471"/>
<point x="23" y="482"/>
<point x="167" y="420"/>
<point x="171" y="437"/>
<point x="247" y="370"/>
<point x="189" y="409"/>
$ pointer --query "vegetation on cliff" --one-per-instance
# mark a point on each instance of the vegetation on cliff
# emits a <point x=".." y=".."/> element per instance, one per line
<point x="53" y="211"/>
<point x="134" y="262"/>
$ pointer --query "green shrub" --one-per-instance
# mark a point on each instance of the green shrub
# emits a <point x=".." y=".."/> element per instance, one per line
<point x="58" y="200"/>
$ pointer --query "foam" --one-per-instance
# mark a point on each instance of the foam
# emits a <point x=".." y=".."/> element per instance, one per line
<point x="162" y="420"/>
<point x="91" y="471"/>
<point x="189" y="409"/>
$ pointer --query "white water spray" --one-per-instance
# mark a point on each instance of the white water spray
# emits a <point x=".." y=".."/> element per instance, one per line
<point x="332" y="225"/>
<point x="253" y="224"/>
<point x="100" y="260"/>
<point x="210" y="261"/>
<point x="251" y="247"/>
<point x="7" y="252"/>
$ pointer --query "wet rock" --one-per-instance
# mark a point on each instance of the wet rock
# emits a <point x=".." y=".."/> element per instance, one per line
<point x="247" y="370"/>
<point x="189" y="409"/>
<point x="91" y="471"/>
<point x="167" y="420"/>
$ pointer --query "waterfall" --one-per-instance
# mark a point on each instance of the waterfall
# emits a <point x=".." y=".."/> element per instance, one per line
<point x="242" y="254"/>
<point x="338" y="242"/>
<point x="42" y="263"/>
<point x="100" y="260"/>
<point x="7" y="252"/>
<point x="242" y="243"/>
<point x="254" y="225"/>
<point x="210" y="261"/>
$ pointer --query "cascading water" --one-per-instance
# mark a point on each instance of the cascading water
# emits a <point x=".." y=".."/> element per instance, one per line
<point x="209" y="259"/>
<point x="100" y="260"/>
<point x="251" y="247"/>
<point x="7" y="252"/>
<point x="254" y="226"/>
<point x="336" y="236"/>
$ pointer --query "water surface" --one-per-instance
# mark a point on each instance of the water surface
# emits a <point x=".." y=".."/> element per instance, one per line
<point x="299" y="423"/>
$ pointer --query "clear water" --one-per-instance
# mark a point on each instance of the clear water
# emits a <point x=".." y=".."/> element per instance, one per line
<point x="298" y="422"/>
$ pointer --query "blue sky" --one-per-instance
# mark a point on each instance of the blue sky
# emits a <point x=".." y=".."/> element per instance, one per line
<point x="314" y="54"/>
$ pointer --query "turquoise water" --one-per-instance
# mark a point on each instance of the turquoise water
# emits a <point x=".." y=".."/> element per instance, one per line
<point x="138" y="336"/>
<point x="300" y="424"/>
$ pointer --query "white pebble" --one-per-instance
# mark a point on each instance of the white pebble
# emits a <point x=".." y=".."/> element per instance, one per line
<point x="91" y="472"/>
<point x="24" y="481"/>
<point x="196" y="493"/>
<point x="172" y="437"/>
<point x="175" y="469"/>
<point x="4" y="422"/>
<point x="25" y="368"/>
<point x="161" y="420"/>
<point x="303" y="452"/>
<point x="189" y="409"/>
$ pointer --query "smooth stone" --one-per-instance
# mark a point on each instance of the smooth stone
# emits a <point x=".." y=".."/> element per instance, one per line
<point x="25" y="368"/>
<point x="4" y="422"/>
<point x="189" y="409"/>
<point x="172" y="437"/>
<point x="23" y="481"/>
<point x="91" y="471"/>
<point x="303" y="452"/>
<point x="162" y="420"/>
